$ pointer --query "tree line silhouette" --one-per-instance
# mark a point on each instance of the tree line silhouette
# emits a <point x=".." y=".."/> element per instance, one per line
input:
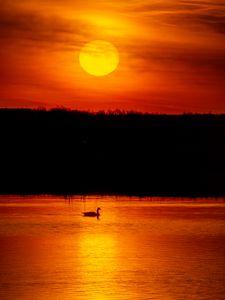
<point x="73" y="152"/>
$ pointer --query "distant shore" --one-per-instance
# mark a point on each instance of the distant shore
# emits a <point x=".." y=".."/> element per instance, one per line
<point x="70" y="152"/>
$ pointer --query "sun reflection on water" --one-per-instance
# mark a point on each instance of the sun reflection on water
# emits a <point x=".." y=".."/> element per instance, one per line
<point x="98" y="263"/>
<point x="136" y="250"/>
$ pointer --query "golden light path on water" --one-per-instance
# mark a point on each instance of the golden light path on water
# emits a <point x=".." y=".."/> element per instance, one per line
<point x="138" y="249"/>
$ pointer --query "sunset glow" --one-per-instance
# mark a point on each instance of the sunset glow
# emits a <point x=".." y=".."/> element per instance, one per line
<point x="171" y="55"/>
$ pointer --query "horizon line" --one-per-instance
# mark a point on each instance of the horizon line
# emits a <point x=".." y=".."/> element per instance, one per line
<point x="115" y="111"/>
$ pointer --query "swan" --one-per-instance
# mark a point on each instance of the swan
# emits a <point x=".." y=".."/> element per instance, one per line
<point x="92" y="213"/>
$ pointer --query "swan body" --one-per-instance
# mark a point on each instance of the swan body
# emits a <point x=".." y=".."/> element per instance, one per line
<point x="92" y="213"/>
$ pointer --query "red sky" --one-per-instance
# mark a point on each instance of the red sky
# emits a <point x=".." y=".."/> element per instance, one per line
<point x="172" y="54"/>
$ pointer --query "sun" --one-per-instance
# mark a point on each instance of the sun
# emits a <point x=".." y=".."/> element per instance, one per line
<point x="99" y="58"/>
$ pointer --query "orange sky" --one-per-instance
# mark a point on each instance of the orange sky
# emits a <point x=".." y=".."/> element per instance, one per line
<point x="172" y="54"/>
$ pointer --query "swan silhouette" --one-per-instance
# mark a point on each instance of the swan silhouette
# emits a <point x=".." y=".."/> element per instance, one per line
<point x="92" y="213"/>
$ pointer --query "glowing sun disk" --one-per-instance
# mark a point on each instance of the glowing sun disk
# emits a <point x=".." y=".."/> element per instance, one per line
<point x="99" y="58"/>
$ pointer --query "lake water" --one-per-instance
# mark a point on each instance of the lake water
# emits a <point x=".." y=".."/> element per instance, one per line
<point x="138" y="249"/>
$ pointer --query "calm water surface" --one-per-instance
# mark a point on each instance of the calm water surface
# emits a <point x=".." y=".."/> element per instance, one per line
<point x="138" y="249"/>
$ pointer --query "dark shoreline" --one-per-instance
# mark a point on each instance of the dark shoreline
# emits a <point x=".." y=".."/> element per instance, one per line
<point x="62" y="152"/>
